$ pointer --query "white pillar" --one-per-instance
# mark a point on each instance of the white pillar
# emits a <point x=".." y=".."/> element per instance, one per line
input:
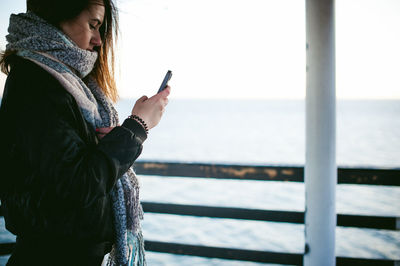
<point x="320" y="169"/>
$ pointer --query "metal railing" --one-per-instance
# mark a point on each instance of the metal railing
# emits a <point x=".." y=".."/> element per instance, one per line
<point x="368" y="176"/>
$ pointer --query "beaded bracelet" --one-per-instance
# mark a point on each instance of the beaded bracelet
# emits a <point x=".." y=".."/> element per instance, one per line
<point x="138" y="119"/>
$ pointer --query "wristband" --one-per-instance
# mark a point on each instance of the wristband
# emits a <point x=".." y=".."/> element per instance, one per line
<point x="140" y="121"/>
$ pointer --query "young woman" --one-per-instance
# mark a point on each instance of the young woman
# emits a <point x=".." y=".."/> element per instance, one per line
<point x="67" y="188"/>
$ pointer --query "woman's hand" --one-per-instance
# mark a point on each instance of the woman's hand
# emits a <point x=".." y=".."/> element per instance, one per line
<point x="151" y="109"/>
<point x="102" y="131"/>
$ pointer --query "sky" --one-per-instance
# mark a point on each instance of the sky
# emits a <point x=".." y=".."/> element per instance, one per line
<point x="247" y="49"/>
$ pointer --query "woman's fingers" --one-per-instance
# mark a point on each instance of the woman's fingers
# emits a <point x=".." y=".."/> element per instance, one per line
<point x="102" y="131"/>
<point x="165" y="92"/>
<point x="100" y="136"/>
<point x="142" y="99"/>
<point x="162" y="94"/>
<point x="151" y="109"/>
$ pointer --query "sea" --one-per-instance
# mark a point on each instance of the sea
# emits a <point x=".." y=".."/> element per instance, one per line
<point x="263" y="132"/>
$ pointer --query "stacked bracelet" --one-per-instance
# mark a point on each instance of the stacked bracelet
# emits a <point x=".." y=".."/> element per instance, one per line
<point x="140" y="121"/>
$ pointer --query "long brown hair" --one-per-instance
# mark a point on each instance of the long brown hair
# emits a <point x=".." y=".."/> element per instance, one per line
<point x="56" y="12"/>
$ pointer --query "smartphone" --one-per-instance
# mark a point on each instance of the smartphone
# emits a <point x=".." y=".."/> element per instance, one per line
<point x="164" y="84"/>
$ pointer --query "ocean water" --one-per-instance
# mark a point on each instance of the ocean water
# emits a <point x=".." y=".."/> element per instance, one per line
<point x="264" y="132"/>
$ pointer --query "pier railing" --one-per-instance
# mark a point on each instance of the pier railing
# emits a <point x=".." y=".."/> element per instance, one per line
<point x="365" y="176"/>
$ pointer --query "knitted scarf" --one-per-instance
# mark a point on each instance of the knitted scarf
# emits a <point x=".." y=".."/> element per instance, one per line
<point x="35" y="39"/>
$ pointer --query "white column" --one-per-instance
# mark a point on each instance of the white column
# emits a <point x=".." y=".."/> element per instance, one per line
<point x="320" y="169"/>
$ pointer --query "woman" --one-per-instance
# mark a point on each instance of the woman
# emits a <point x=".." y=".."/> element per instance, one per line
<point x="67" y="188"/>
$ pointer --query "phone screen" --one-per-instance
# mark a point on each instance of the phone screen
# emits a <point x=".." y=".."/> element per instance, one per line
<point x="165" y="81"/>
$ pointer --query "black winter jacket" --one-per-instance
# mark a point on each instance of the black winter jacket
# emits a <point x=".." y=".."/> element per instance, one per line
<point x="55" y="175"/>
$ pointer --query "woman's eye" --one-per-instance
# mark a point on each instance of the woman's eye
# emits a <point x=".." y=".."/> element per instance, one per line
<point x="92" y="27"/>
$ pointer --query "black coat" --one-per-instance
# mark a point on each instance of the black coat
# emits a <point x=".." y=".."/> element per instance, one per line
<point x="55" y="174"/>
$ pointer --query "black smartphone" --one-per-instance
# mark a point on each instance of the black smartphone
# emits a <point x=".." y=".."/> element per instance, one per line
<point x="164" y="84"/>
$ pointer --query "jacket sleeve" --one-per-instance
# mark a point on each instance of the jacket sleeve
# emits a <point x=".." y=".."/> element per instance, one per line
<point x="63" y="158"/>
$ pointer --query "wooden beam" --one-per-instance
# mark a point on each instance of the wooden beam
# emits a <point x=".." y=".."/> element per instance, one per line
<point x="346" y="175"/>
<point x="359" y="221"/>
<point x="6" y="248"/>
<point x="225" y="253"/>
<point x="224" y="212"/>
<point x="220" y="171"/>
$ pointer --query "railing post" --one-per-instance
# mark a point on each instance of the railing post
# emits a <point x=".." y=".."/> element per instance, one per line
<point x="320" y="170"/>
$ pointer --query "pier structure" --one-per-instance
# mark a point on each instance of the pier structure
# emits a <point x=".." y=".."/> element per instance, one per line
<point x="320" y="169"/>
<point x="360" y="176"/>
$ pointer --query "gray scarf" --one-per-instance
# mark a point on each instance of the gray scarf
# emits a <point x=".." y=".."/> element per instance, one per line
<point x="35" y="39"/>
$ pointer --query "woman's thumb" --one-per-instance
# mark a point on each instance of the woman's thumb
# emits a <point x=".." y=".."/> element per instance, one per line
<point x="143" y="98"/>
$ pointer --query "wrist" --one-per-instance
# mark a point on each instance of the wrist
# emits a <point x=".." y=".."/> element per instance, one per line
<point x="140" y="121"/>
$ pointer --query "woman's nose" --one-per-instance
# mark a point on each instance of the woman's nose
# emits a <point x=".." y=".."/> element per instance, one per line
<point x="96" y="39"/>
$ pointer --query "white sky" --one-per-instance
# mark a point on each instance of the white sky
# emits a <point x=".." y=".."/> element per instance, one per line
<point x="248" y="48"/>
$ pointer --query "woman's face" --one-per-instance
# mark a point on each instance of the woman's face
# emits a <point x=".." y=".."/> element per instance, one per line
<point x="84" y="29"/>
